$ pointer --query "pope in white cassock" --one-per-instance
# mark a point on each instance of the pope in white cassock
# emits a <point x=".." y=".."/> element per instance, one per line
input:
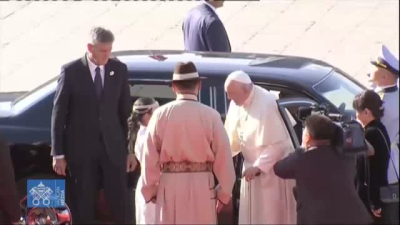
<point x="256" y="129"/>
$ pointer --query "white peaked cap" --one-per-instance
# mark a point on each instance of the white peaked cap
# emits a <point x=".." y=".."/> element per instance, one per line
<point x="386" y="58"/>
<point x="239" y="76"/>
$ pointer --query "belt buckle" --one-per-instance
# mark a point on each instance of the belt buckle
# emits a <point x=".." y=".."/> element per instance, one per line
<point x="175" y="167"/>
<point x="194" y="167"/>
<point x="182" y="167"/>
<point x="186" y="167"/>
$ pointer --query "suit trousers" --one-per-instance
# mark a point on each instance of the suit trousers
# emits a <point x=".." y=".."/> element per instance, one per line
<point x="85" y="184"/>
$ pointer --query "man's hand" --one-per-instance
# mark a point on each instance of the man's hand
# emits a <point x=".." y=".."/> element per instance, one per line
<point x="59" y="166"/>
<point x="18" y="222"/>
<point x="251" y="173"/>
<point x="370" y="149"/>
<point x="219" y="206"/>
<point x="131" y="163"/>
<point x="377" y="213"/>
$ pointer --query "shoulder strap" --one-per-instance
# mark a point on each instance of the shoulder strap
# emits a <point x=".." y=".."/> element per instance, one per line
<point x="395" y="141"/>
<point x="390" y="152"/>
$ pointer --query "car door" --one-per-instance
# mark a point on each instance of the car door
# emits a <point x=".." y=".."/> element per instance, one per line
<point x="213" y="92"/>
<point x="160" y="90"/>
<point x="288" y="109"/>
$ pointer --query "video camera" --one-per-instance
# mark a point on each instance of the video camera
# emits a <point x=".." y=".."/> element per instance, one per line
<point x="352" y="141"/>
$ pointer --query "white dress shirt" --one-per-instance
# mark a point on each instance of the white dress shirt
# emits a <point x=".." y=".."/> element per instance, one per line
<point x="92" y="69"/>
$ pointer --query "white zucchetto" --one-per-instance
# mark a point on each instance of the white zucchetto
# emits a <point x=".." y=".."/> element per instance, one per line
<point x="239" y="76"/>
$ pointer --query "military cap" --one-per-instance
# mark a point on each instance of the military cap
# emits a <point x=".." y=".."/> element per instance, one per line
<point x="386" y="60"/>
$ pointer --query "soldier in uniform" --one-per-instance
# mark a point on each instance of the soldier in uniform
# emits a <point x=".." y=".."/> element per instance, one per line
<point x="184" y="145"/>
<point x="385" y="76"/>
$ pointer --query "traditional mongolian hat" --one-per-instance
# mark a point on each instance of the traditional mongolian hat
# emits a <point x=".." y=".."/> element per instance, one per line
<point x="185" y="71"/>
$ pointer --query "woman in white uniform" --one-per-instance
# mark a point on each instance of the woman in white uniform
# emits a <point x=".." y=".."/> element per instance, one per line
<point x="141" y="113"/>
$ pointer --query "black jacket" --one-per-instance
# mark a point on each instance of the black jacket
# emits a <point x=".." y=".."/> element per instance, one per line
<point x="80" y="119"/>
<point x="204" y="31"/>
<point x="325" y="191"/>
<point x="376" y="165"/>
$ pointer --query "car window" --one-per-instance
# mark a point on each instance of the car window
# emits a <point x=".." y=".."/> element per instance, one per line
<point x="30" y="98"/>
<point x="283" y="92"/>
<point x="297" y="125"/>
<point x="280" y="93"/>
<point x="162" y="93"/>
<point x="339" y="90"/>
<point x="274" y="92"/>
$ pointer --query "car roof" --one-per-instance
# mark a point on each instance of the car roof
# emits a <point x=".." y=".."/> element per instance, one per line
<point x="260" y="67"/>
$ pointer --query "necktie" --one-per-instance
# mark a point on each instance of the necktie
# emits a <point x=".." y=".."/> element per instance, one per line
<point x="97" y="82"/>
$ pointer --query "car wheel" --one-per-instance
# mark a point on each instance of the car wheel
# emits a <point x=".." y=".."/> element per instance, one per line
<point x="42" y="215"/>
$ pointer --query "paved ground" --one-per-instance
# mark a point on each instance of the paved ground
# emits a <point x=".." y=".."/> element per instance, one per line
<point x="38" y="37"/>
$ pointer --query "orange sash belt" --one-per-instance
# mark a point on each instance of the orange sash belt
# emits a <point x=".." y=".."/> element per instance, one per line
<point x="186" y="167"/>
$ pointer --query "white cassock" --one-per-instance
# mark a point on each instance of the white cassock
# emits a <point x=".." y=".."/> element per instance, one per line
<point x="145" y="213"/>
<point x="257" y="130"/>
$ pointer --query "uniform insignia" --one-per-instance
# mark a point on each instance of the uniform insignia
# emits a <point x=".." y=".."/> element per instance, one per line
<point x="381" y="94"/>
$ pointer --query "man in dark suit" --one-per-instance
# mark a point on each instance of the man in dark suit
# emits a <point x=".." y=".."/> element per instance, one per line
<point x="89" y="128"/>
<point x="10" y="211"/>
<point x="204" y="31"/>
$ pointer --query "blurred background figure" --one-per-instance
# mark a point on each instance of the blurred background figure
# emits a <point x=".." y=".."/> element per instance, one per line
<point x="372" y="170"/>
<point x="10" y="211"/>
<point x="324" y="190"/>
<point x="203" y="30"/>
<point x="141" y="113"/>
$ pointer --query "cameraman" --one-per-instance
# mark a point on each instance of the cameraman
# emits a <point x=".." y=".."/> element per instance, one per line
<point x="325" y="190"/>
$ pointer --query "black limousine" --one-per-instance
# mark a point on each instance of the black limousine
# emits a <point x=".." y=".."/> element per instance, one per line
<point x="297" y="81"/>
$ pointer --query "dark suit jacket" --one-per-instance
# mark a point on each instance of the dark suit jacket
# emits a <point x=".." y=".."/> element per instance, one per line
<point x="204" y="31"/>
<point x="80" y="119"/>
<point x="377" y="136"/>
<point x="325" y="189"/>
<point x="9" y="203"/>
